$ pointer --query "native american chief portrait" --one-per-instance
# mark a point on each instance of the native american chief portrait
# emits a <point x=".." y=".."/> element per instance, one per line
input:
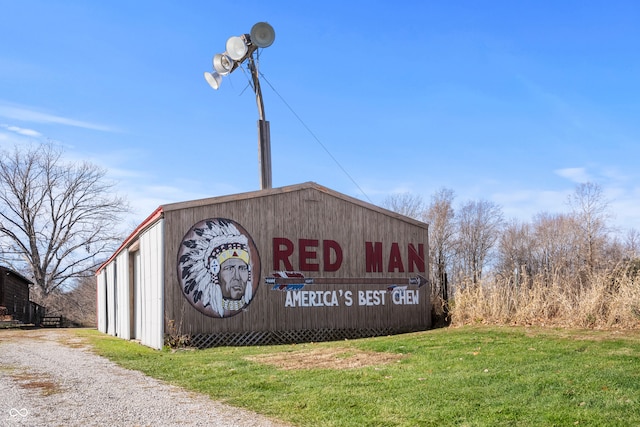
<point x="218" y="267"/>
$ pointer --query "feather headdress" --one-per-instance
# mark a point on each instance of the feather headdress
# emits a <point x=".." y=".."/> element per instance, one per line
<point x="204" y="248"/>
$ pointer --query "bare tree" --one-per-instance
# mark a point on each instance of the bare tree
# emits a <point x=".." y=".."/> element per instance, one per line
<point x="78" y="306"/>
<point x="555" y="245"/>
<point x="632" y="244"/>
<point x="406" y="204"/>
<point x="440" y="216"/>
<point x="515" y="247"/>
<point x="590" y="209"/>
<point x="479" y="224"/>
<point x="58" y="220"/>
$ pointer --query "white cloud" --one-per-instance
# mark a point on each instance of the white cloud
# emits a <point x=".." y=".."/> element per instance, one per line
<point x="9" y="138"/>
<point x="30" y="115"/>
<point x="578" y="175"/>
<point x="22" y="131"/>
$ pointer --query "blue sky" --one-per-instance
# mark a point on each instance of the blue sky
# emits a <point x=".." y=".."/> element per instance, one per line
<point x="509" y="101"/>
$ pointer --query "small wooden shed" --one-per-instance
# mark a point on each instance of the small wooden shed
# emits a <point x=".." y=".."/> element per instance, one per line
<point x="293" y="264"/>
<point x="14" y="294"/>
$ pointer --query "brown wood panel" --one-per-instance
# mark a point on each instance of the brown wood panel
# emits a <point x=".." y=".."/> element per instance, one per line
<point x="14" y="294"/>
<point x="311" y="212"/>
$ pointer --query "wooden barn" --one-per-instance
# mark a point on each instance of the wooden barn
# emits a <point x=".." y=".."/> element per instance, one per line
<point x="14" y="295"/>
<point x="293" y="264"/>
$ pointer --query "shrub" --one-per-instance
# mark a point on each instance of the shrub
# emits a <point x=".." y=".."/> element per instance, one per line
<point x="607" y="299"/>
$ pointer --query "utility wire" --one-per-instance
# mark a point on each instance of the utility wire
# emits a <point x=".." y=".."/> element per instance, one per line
<point x="316" y="138"/>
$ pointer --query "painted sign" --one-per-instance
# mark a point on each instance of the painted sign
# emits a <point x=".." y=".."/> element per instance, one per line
<point x="327" y="255"/>
<point x="218" y="267"/>
<point x="219" y="271"/>
<point x="294" y="282"/>
<point x="316" y="255"/>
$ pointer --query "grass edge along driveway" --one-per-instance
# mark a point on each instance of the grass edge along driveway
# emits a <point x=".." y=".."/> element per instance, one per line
<point x="471" y="376"/>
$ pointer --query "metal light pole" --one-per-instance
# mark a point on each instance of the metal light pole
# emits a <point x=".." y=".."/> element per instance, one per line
<point x="239" y="49"/>
<point x="264" y="134"/>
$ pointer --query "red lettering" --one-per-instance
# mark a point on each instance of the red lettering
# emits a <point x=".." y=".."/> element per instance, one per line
<point x="373" y="256"/>
<point x="307" y="255"/>
<point x="416" y="258"/>
<point x="327" y="246"/>
<point x="395" y="259"/>
<point x="281" y="254"/>
<point x="332" y="256"/>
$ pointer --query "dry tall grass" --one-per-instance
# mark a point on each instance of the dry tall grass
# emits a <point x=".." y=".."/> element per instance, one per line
<point x="604" y="300"/>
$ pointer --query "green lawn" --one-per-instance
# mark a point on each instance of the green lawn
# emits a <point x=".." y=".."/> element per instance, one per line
<point x="470" y="376"/>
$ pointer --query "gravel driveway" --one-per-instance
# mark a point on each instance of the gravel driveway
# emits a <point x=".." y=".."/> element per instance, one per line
<point x="50" y="378"/>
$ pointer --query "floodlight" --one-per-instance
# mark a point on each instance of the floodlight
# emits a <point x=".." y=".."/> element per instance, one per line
<point x="236" y="48"/>
<point x="262" y="34"/>
<point x="214" y="79"/>
<point x="222" y="64"/>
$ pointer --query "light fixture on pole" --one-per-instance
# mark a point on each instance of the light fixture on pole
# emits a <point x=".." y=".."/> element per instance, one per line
<point x="236" y="48"/>
<point x="240" y="49"/>
<point x="223" y="64"/>
<point x="214" y="79"/>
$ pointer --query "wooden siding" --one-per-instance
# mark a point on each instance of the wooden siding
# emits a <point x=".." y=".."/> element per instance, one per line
<point x="311" y="212"/>
<point x="14" y="294"/>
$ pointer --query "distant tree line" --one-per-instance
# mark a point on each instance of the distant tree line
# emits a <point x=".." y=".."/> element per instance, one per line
<point x="472" y="246"/>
